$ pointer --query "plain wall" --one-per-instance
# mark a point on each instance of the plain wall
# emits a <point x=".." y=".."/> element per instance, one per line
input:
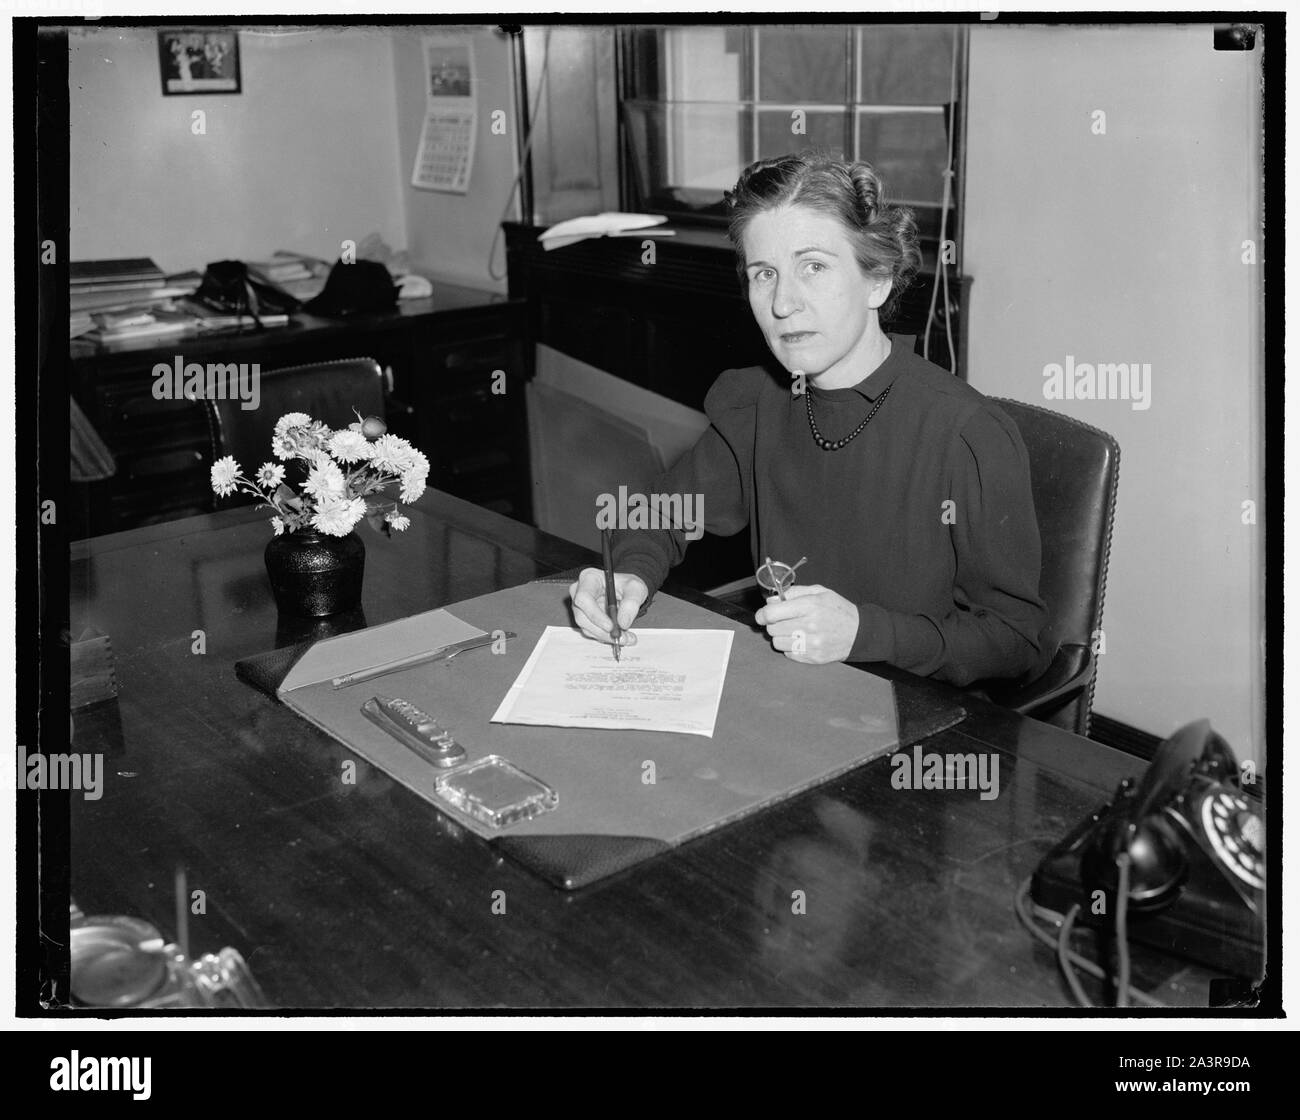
<point x="303" y="158"/>
<point x="451" y="235"/>
<point x="1127" y="247"/>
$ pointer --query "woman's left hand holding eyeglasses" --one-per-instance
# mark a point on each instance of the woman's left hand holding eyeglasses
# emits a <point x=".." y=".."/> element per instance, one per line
<point x="814" y="624"/>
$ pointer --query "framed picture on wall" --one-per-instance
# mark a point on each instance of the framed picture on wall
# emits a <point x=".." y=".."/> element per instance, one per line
<point x="198" y="60"/>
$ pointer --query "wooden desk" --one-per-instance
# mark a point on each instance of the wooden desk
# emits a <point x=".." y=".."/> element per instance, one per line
<point x="362" y="896"/>
<point x="441" y="353"/>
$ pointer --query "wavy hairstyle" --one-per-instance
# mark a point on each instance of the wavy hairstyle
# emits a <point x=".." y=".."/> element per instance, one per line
<point x="883" y="236"/>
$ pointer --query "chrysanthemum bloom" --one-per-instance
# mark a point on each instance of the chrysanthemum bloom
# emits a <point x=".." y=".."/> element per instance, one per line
<point x="350" y="447"/>
<point x="338" y="516"/>
<point x="324" y="481"/>
<point x="291" y="420"/>
<point x="224" y="473"/>
<point x="393" y="454"/>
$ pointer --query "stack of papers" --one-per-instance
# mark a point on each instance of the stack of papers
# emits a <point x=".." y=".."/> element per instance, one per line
<point x="671" y="680"/>
<point x="609" y="224"/>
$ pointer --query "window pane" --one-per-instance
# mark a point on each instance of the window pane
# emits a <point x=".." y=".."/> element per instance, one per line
<point x="687" y="148"/>
<point x="824" y="131"/>
<point x="797" y="65"/>
<point x="909" y="152"/>
<point x="705" y="64"/>
<point x="905" y="65"/>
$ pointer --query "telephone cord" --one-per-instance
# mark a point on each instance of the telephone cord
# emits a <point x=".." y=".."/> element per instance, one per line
<point x="1028" y="920"/>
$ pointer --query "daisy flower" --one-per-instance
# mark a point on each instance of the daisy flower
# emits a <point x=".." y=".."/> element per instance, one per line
<point x="283" y="447"/>
<point x="398" y="521"/>
<point x="277" y="525"/>
<point x="270" y="475"/>
<point x="224" y="473"/>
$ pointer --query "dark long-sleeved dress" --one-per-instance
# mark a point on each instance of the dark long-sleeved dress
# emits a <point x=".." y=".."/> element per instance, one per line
<point x="925" y="520"/>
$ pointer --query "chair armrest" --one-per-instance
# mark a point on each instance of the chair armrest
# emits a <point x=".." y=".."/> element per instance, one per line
<point x="736" y="585"/>
<point x="1068" y="674"/>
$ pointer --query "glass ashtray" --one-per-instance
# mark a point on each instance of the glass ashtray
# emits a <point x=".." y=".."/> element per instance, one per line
<point x="495" y="791"/>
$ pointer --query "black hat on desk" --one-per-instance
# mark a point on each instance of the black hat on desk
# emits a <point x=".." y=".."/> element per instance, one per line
<point x="356" y="287"/>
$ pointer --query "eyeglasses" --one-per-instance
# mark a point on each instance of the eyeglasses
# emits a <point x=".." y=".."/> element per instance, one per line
<point x="774" y="576"/>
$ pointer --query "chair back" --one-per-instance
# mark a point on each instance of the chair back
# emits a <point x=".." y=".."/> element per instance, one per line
<point x="326" y="391"/>
<point x="1074" y="475"/>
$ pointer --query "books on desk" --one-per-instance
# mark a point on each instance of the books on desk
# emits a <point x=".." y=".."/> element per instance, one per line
<point x="173" y="317"/>
<point x="283" y="266"/>
<point x="118" y="308"/>
<point x="122" y="298"/>
<point x="146" y="323"/>
<point x="303" y="277"/>
<point x="131" y="298"/>
<point x="123" y="291"/>
<point x="112" y="275"/>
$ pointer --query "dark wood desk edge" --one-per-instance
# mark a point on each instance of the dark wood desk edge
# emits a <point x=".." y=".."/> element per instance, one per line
<point x="549" y="550"/>
<point x="450" y="299"/>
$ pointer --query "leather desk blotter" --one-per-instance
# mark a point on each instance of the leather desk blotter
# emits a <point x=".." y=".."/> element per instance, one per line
<point x="782" y="728"/>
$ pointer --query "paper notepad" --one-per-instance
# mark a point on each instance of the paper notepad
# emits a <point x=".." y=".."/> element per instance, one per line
<point x="671" y="680"/>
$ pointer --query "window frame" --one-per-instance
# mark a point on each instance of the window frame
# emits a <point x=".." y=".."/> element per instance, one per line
<point x="639" y="62"/>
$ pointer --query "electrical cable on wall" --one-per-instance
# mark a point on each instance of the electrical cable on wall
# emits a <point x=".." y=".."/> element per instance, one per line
<point x="523" y="157"/>
<point x="941" y="266"/>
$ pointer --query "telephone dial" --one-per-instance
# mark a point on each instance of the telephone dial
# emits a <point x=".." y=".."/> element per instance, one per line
<point x="1195" y="844"/>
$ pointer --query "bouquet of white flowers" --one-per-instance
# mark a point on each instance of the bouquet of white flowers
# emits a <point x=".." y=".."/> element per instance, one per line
<point x="345" y="471"/>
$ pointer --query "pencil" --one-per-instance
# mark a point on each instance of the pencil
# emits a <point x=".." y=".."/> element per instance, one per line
<point x="611" y="596"/>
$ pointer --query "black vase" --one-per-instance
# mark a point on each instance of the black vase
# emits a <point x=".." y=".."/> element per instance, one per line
<point x="313" y="574"/>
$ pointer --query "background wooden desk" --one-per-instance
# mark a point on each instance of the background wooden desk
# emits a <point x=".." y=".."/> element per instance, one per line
<point x="441" y="353"/>
<point x="361" y="896"/>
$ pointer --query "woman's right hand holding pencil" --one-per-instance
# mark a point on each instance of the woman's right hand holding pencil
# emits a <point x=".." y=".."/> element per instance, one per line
<point x="588" y="597"/>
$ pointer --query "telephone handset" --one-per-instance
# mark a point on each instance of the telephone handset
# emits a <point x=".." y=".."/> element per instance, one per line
<point x="1195" y="843"/>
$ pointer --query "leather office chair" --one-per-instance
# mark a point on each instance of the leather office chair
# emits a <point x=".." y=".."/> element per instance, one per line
<point x="1074" y="474"/>
<point x="326" y="391"/>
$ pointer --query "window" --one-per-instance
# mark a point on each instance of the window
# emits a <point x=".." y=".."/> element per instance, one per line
<point x="700" y="103"/>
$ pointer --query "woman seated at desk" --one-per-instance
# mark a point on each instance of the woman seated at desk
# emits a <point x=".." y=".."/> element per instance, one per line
<point x="907" y="490"/>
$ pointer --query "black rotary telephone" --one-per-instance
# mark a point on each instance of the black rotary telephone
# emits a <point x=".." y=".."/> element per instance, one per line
<point x="1195" y="842"/>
